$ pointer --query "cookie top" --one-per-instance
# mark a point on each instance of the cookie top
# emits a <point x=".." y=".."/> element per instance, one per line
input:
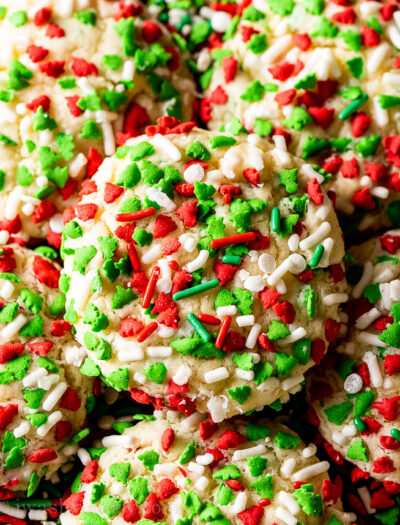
<point x="180" y="471"/>
<point x="43" y="397"/>
<point x="75" y="83"/>
<point x="356" y="396"/>
<point x="198" y="271"/>
<point x="324" y="75"/>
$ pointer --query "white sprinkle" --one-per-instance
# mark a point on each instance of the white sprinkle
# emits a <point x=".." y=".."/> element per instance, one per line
<point x="53" y="397"/>
<point x="377" y="57"/>
<point x="199" y="262"/>
<point x="11" y="329"/>
<point x="290" y="382"/>
<point x="297" y="263"/>
<point x="374" y="371"/>
<point x="159" y="351"/>
<point x="254" y="283"/>
<point x="240" y="502"/>
<point x="165" y="469"/>
<point x="158" y="196"/>
<point x="33" y="377"/>
<point x="80" y="290"/>
<point x="353" y="383"/>
<point x="37" y="515"/>
<point x="280" y="271"/>
<point x="245" y="320"/>
<point x="84" y="456"/>
<point x="366" y="319"/>
<point x="364" y="281"/>
<point x="344" y="206"/>
<point x="213" y="376"/>
<point x="311" y="471"/>
<point x="128" y="70"/>
<point x="258" y="450"/>
<point x="311" y="173"/>
<point x="53" y="419"/>
<point x="152" y="254"/>
<point x="168" y="147"/>
<point x="370" y="339"/>
<point x="191" y="421"/>
<point x="316" y="237"/>
<point x="297" y="334"/>
<point x="139" y="378"/>
<point x="338" y="437"/>
<point x="12" y="511"/>
<point x="293" y="242"/>
<point x="380" y="115"/>
<point x="188" y="242"/>
<point x="380" y="192"/>
<point x="202" y="483"/>
<point x="123" y="440"/>
<point x="182" y="375"/>
<point x="108" y="138"/>
<point x="335" y="298"/>
<point x="288" y="466"/>
<point x="6" y="289"/>
<point x="366" y="499"/>
<point x="309" y="451"/>
<point x="394" y="36"/>
<point x="176" y="510"/>
<point x="194" y="173"/>
<point x="277" y="49"/>
<point x="253" y="335"/>
<point x="228" y="162"/>
<point x="222" y="311"/>
<point x="22" y="429"/>
<point x="205" y="459"/>
<point x="289" y="502"/>
<point x="285" y="516"/>
<point x="220" y="21"/>
<point x="128" y="350"/>
<point x="217" y="408"/>
<point x="246" y="375"/>
<point x="195" y="468"/>
<point x="266" y="263"/>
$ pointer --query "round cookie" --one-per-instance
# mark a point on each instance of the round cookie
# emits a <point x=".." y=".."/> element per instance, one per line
<point x="325" y="76"/>
<point x="202" y="272"/>
<point x="356" y="396"/>
<point x="181" y="471"/>
<point x="43" y="398"/>
<point x="75" y="83"/>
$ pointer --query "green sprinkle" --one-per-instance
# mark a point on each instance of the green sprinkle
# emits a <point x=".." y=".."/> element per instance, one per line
<point x="275" y="219"/>
<point x="203" y="333"/>
<point x="317" y="256"/>
<point x="358" y="450"/>
<point x="359" y="424"/>
<point x="353" y="107"/>
<point x="232" y="259"/>
<point x="189" y="292"/>
<point x="395" y="434"/>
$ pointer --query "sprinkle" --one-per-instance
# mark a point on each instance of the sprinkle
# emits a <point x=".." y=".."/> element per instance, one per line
<point x="310" y="472"/>
<point x="136" y="215"/>
<point x="199" y="262"/>
<point x="317" y="256"/>
<point x="335" y="298"/>
<point x="223" y="332"/>
<point x="275" y="219"/>
<point x="233" y="239"/>
<point x="146" y="332"/>
<point x="320" y="233"/>
<point x="209" y="319"/>
<point x="206" y="336"/>
<point x="218" y="374"/>
<point x="232" y="259"/>
<point x="364" y="281"/>
<point x="151" y="286"/>
<point x="194" y="290"/>
<point x="374" y="371"/>
<point x="395" y="433"/>
<point x="253" y="335"/>
<point x="353" y="107"/>
<point x="222" y="311"/>
<point x="133" y="257"/>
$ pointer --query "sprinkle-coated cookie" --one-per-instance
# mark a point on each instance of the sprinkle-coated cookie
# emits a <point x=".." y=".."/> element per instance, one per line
<point x="356" y="396"/>
<point x="43" y="397"/>
<point x="204" y="269"/>
<point x="176" y="471"/>
<point x="77" y="79"/>
<point x="326" y="76"/>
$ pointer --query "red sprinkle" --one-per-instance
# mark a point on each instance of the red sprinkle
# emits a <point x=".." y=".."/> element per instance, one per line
<point x="223" y="331"/>
<point x="209" y="319"/>
<point x="232" y="239"/>
<point x="136" y="215"/>
<point x="151" y="286"/>
<point x="134" y="257"/>
<point x="147" y="331"/>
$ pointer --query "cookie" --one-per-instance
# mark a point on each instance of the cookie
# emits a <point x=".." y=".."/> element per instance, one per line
<point x="43" y="398"/>
<point x="183" y="471"/>
<point x="324" y="76"/>
<point x="355" y="397"/>
<point x="75" y="83"/>
<point x="203" y="269"/>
